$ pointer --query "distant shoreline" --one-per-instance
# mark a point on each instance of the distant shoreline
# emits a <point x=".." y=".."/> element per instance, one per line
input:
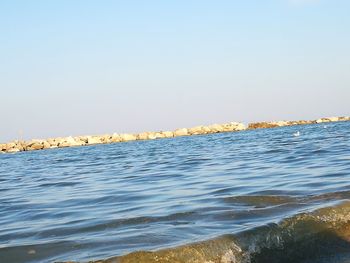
<point x="63" y="142"/>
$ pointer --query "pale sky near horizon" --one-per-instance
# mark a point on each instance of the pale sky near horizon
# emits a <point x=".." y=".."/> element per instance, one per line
<point x="95" y="67"/>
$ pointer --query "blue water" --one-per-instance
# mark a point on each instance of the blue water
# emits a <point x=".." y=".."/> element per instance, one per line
<point x="94" y="202"/>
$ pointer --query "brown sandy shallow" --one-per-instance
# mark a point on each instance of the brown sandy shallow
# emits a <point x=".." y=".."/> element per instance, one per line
<point x="62" y="142"/>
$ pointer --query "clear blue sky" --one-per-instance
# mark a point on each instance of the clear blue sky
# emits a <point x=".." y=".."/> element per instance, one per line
<point x="95" y="67"/>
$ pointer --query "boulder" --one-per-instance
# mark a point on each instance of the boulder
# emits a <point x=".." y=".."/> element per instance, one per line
<point x="181" y="132"/>
<point x="115" y="138"/>
<point x="82" y="139"/>
<point x="227" y="127"/>
<point x="127" y="137"/>
<point x="214" y="128"/>
<point x="152" y="136"/>
<point x="93" y="140"/>
<point x="344" y="118"/>
<point x="52" y="142"/>
<point x="46" y="145"/>
<point x="106" y="138"/>
<point x="34" y="145"/>
<point x="261" y="125"/>
<point x="303" y="122"/>
<point x="2" y="146"/>
<point x="205" y="129"/>
<point x="63" y="144"/>
<point x="196" y="130"/>
<point x="159" y="135"/>
<point x="168" y="134"/>
<point x="333" y="119"/>
<point x="240" y="127"/>
<point x="69" y="142"/>
<point x="142" y="136"/>
<point x="233" y="126"/>
<point x="282" y="123"/>
<point x="37" y="146"/>
<point x="20" y="145"/>
<point x="72" y="141"/>
<point x="321" y="120"/>
<point x="58" y="141"/>
<point x="10" y="145"/>
<point x="13" y="150"/>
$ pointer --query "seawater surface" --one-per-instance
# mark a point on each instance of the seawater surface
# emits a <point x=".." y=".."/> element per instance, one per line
<point x="252" y="196"/>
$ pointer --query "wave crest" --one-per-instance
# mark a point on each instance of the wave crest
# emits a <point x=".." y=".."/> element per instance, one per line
<point x="315" y="235"/>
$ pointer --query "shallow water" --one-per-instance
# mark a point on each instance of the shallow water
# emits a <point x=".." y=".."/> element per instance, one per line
<point x="250" y="196"/>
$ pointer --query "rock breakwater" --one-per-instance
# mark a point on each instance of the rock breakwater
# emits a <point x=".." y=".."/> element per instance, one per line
<point x="262" y="125"/>
<point x="62" y="142"/>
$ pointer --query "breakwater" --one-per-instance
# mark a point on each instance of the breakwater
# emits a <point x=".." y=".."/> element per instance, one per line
<point x="62" y="142"/>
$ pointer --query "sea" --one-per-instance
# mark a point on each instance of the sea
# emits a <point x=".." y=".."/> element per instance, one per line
<point x="255" y="196"/>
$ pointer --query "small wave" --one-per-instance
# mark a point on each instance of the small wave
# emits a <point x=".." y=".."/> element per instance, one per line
<point x="58" y="184"/>
<point x="260" y="200"/>
<point x="174" y="219"/>
<point x="306" y="236"/>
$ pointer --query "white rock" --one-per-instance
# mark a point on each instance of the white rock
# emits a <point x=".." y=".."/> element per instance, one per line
<point x="115" y="138"/>
<point x="152" y="136"/>
<point x="142" y="136"/>
<point x="13" y="150"/>
<point x="196" y="130"/>
<point x="215" y="128"/>
<point x="332" y="119"/>
<point x="72" y="142"/>
<point x="168" y="134"/>
<point x="93" y="140"/>
<point x="181" y="132"/>
<point x="127" y="137"/>
<point x="240" y="127"/>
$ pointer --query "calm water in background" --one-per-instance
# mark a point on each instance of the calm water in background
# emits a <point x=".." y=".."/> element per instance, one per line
<point x="94" y="202"/>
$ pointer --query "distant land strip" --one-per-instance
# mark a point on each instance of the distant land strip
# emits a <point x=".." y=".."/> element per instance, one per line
<point x="62" y="142"/>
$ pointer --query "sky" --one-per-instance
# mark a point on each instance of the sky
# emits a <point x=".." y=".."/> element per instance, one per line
<point x="96" y="67"/>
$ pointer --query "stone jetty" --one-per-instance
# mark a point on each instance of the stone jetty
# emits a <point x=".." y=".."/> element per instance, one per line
<point x="62" y="142"/>
<point x="275" y="124"/>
